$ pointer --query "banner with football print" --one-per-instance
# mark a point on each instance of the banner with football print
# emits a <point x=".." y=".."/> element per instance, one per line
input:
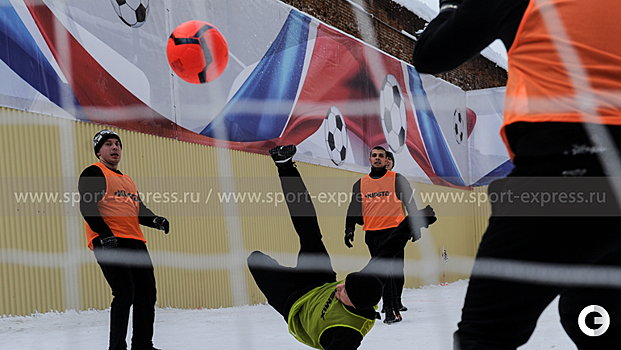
<point x="246" y="75"/>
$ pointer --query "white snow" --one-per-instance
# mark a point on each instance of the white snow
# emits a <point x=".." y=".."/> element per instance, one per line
<point x="428" y="9"/>
<point x="433" y="314"/>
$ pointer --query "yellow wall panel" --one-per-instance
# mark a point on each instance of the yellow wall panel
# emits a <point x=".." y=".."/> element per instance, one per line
<point x="94" y="289"/>
<point x="189" y="289"/>
<point x="28" y="289"/>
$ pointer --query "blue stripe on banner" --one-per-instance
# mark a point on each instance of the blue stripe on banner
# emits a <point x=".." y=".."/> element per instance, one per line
<point x="437" y="149"/>
<point x="20" y="52"/>
<point x="500" y="171"/>
<point x="262" y="105"/>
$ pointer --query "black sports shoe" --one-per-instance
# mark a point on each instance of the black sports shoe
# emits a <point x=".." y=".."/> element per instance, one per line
<point x="398" y="315"/>
<point x="392" y="317"/>
<point x="403" y="308"/>
<point x="283" y="154"/>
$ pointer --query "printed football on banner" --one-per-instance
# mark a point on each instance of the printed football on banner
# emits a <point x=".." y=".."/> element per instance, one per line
<point x="460" y="126"/>
<point x="336" y="136"/>
<point x="392" y="109"/>
<point x="132" y="12"/>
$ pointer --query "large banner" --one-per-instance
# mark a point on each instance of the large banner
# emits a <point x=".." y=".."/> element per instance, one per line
<point x="289" y="79"/>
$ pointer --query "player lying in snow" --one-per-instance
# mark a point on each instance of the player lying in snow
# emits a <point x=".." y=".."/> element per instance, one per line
<point x="322" y="312"/>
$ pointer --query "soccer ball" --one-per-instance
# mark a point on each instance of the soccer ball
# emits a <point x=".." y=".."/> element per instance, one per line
<point x="132" y="12"/>
<point x="459" y="123"/>
<point x="392" y="111"/>
<point x="335" y="132"/>
<point x="197" y="52"/>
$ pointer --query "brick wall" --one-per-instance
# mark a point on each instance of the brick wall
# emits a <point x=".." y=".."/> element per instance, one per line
<point x="383" y="22"/>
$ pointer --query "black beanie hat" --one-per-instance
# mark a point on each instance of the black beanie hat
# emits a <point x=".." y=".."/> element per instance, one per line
<point x="101" y="137"/>
<point x="364" y="290"/>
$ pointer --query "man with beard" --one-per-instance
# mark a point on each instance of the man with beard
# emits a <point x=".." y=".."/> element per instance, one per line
<point x="377" y="203"/>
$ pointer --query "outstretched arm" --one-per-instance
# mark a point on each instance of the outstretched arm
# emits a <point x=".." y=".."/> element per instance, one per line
<point x="463" y="29"/>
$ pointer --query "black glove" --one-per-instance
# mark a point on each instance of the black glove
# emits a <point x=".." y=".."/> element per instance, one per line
<point x="428" y="216"/>
<point x="349" y="237"/>
<point x="161" y="224"/>
<point x="108" y="242"/>
<point x="449" y="4"/>
<point x="415" y="235"/>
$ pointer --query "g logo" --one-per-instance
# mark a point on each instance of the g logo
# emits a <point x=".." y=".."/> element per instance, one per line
<point x="604" y="320"/>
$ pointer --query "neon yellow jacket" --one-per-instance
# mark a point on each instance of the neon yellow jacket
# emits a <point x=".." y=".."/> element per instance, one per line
<point x="319" y="310"/>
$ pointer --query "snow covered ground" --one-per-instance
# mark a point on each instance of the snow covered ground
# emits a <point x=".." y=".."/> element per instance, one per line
<point x="428" y="324"/>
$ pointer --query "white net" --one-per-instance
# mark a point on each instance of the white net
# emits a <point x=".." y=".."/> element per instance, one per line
<point x="52" y="289"/>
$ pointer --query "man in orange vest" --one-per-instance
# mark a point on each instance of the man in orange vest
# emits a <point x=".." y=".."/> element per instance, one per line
<point x="113" y="212"/>
<point x="562" y="127"/>
<point x="377" y="204"/>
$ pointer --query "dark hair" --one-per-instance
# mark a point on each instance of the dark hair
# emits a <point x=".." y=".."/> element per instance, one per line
<point x="378" y="147"/>
<point x="392" y="157"/>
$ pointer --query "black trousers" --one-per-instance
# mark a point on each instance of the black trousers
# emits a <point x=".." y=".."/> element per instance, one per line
<point x="281" y="285"/>
<point x="501" y="312"/>
<point x="393" y="286"/>
<point x="129" y="272"/>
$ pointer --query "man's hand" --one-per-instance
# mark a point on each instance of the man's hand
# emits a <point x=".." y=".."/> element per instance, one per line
<point x="428" y="216"/>
<point x="423" y="218"/>
<point x="108" y="242"/>
<point x="349" y="237"/>
<point x="161" y="224"/>
<point x="415" y="235"/>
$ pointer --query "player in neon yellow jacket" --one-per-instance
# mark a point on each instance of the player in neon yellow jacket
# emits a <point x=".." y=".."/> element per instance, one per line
<point x="322" y="312"/>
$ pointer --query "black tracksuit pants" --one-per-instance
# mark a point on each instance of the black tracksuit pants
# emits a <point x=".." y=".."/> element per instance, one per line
<point x="501" y="312"/>
<point x="129" y="272"/>
<point x="393" y="286"/>
<point x="281" y="285"/>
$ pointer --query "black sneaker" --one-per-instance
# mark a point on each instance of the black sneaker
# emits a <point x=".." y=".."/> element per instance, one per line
<point x="391" y="317"/>
<point x="398" y="315"/>
<point x="283" y="154"/>
<point x="402" y="308"/>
